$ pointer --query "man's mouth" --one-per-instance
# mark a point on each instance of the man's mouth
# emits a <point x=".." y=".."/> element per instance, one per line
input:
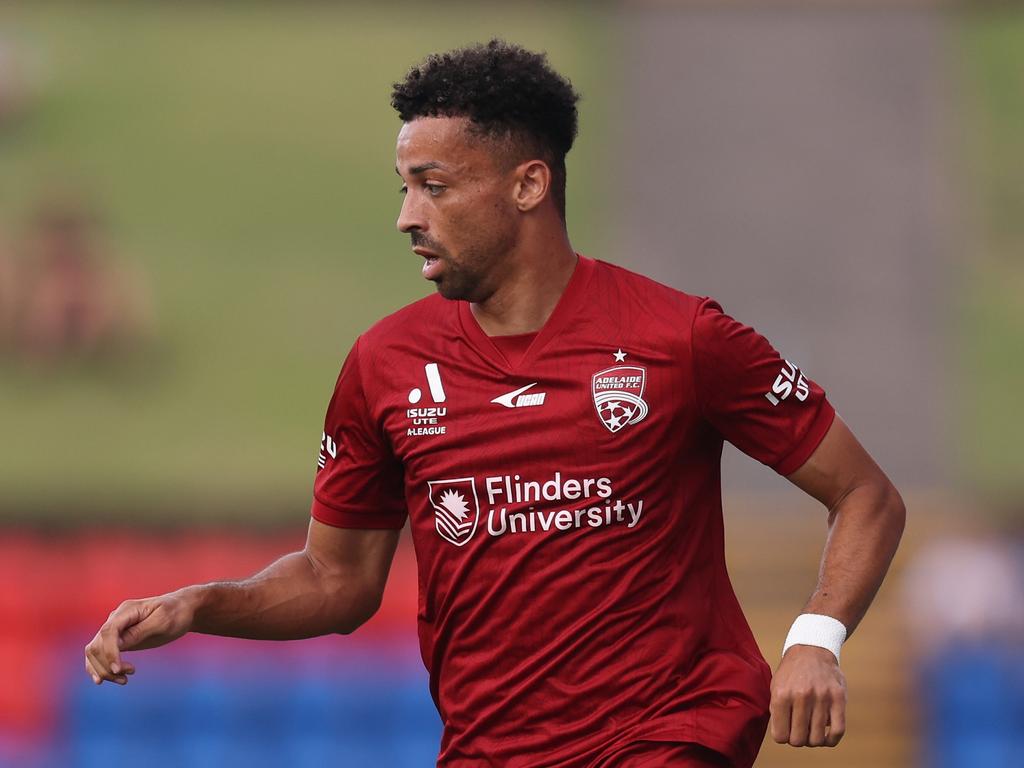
<point x="431" y="264"/>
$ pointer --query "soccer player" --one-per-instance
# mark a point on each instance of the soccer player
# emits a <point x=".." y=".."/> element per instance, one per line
<point x="550" y="427"/>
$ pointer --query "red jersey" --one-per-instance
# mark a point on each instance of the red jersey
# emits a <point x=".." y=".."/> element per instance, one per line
<point x="566" y="513"/>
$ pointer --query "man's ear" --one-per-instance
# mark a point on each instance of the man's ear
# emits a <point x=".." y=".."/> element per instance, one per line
<point x="533" y="181"/>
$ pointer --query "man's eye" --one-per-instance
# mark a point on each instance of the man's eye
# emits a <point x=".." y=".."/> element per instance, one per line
<point x="434" y="189"/>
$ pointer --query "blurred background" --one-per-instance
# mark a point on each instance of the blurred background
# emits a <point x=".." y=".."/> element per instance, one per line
<point x="197" y="209"/>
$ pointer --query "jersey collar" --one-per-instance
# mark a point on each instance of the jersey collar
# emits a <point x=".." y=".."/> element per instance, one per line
<point x="564" y="310"/>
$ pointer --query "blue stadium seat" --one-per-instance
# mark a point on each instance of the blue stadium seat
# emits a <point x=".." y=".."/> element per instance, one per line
<point x="207" y="708"/>
<point x="974" y="707"/>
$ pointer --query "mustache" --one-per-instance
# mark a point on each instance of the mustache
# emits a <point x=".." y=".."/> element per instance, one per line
<point x="421" y="240"/>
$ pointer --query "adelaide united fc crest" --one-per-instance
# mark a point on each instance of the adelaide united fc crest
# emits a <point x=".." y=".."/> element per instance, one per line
<point x="619" y="395"/>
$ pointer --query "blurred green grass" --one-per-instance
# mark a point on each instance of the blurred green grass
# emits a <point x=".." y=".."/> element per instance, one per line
<point x="992" y="331"/>
<point x="242" y="156"/>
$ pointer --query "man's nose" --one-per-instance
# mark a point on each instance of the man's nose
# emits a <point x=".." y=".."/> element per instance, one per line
<point x="410" y="217"/>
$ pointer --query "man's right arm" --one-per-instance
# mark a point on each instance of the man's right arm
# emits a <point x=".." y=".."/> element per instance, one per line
<point x="332" y="586"/>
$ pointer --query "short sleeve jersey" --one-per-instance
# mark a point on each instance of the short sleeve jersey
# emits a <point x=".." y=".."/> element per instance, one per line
<point x="566" y="513"/>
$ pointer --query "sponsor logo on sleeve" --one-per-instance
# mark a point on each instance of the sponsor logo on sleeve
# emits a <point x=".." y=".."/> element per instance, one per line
<point x="789" y="382"/>
<point x="328" y="447"/>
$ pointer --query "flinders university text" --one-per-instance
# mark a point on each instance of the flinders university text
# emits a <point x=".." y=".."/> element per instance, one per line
<point x="597" y="508"/>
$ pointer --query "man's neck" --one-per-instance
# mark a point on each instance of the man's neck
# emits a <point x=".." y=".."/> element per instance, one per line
<point x="527" y="296"/>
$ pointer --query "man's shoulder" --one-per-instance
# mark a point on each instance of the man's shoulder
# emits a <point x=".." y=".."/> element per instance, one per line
<point x="647" y="293"/>
<point x="424" y="317"/>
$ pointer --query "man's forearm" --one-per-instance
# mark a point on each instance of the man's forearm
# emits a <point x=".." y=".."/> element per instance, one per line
<point x="866" y="518"/>
<point x="865" y="528"/>
<point x="291" y="599"/>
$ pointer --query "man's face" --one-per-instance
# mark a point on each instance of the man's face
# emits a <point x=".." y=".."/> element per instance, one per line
<point x="458" y="205"/>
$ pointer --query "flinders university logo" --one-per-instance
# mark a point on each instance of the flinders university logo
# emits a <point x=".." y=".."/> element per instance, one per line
<point x="456" y="508"/>
<point x="618" y="396"/>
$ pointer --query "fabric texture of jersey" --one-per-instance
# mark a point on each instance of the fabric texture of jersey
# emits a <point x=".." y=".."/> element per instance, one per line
<point x="566" y="513"/>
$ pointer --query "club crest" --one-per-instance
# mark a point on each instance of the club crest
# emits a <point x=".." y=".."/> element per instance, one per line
<point x="456" y="508"/>
<point x="618" y="396"/>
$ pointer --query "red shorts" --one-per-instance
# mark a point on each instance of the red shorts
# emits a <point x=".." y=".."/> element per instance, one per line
<point x="663" y="754"/>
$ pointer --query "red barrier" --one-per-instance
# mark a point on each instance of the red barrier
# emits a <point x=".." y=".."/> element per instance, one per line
<point x="65" y="585"/>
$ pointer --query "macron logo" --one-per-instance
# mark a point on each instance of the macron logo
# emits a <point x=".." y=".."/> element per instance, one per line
<point x="518" y="398"/>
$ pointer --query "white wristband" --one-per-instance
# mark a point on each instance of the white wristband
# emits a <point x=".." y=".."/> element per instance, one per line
<point x="815" y="629"/>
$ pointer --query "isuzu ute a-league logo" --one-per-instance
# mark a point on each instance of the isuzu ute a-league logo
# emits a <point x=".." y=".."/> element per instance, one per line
<point x="618" y="395"/>
<point x="427" y="419"/>
<point x="456" y="508"/>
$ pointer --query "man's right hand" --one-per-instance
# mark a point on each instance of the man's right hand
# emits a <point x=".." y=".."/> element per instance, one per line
<point x="333" y="586"/>
<point x="133" y="626"/>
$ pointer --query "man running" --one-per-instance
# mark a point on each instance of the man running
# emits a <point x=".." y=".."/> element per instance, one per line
<point x="550" y="427"/>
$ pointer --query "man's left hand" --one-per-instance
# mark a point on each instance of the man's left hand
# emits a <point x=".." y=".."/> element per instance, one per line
<point x="808" y="704"/>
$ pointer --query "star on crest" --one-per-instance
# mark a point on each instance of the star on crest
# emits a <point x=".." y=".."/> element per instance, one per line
<point x="619" y="355"/>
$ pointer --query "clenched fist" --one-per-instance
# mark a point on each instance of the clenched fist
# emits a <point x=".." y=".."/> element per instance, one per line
<point x="808" y="704"/>
<point x="133" y="626"/>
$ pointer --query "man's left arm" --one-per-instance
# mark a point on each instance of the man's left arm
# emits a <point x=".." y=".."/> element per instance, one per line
<point x="865" y="521"/>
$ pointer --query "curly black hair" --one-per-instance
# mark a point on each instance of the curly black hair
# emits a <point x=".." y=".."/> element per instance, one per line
<point x="507" y="93"/>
